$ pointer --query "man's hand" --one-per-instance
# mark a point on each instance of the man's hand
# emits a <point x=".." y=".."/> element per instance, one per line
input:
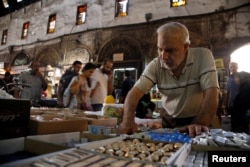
<point x="60" y="104"/>
<point x="194" y="129"/>
<point x="127" y="128"/>
<point x="39" y="74"/>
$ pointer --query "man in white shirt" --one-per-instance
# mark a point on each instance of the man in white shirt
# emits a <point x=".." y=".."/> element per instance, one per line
<point x="103" y="75"/>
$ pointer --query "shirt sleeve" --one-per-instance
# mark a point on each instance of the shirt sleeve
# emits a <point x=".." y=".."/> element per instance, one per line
<point x="208" y="72"/>
<point x="149" y="77"/>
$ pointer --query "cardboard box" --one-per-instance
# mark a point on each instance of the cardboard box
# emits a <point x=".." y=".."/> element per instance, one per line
<point x="89" y="137"/>
<point x="14" y="118"/>
<point x="37" y="127"/>
<point x="103" y="121"/>
<point x="10" y="149"/>
<point x="71" y="139"/>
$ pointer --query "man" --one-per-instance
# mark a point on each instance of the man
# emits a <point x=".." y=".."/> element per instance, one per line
<point x="232" y="86"/>
<point x="8" y="79"/>
<point x="187" y="79"/>
<point x="127" y="84"/>
<point x="65" y="80"/>
<point x="240" y="107"/>
<point x="37" y="83"/>
<point x="104" y="77"/>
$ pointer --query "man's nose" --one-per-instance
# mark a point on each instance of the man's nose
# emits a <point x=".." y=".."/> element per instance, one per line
<point x="164" y="54"/>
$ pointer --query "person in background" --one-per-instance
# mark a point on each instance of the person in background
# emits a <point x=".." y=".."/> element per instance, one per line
<point x="65" y="80"/>
<point x="240" y="108"/>
<point x="8" y="79"/>
<point x="104" y="77"/>
<point x="80" y="87"/>
<point x="127" y="84"/>
<point x="187" y="79"/>
<point x="232" y="85"/>
<point x="36" y="82"/>
<point x="55" y="88"/>
<point x="145" y="107"/>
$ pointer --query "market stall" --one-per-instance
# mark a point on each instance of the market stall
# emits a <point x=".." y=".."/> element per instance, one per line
<point x="64" y="137"/>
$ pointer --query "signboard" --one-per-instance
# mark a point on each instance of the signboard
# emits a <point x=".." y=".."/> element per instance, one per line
<point x="19" y="69"/>
<point x="118" y="56"/>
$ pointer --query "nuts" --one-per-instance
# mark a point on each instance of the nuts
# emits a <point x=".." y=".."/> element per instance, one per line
<point x="139" y="150"/>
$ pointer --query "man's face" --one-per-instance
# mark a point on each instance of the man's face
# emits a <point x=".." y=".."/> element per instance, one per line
<point x="77" y="68"/>
<point x="171" y="51"/>
<point x="35" y="67"/>
<point x="233" y="68"/>
<point x="108" y="67"/>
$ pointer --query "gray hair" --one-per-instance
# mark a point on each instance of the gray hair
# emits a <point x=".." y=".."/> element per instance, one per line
<point x="176" y="29"/>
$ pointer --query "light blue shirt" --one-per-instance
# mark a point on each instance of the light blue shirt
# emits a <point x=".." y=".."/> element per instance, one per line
<point x="34" y="91"/>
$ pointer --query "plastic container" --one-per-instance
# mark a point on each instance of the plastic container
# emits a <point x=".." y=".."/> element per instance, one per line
<point x="113" y="110"/>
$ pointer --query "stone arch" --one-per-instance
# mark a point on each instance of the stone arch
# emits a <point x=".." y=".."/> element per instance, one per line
<point x="124" y="45"/>
<point x="78" y="53"/>
<point x="21" y="59"/>
<point x="48" y="56"/>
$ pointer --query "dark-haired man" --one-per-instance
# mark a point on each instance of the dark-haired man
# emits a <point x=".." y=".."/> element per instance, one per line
<point x="37" y="83"/>
<point x="65" y="80"/>
<point x="104" y="77"/>
<point x="127" y="84"/>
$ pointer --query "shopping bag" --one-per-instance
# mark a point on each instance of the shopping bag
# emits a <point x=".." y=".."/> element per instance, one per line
<point x="67" y="95"/>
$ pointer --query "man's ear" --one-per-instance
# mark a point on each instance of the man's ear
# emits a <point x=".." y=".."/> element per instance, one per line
<point x="186" y="45"/>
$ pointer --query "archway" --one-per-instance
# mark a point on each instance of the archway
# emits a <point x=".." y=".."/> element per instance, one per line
<point x="20" y="63"/>
<point x="241" y="56"/>
<point x="48" y="56"/>
<point x="126" y="55"/>
<point x="128" y="50"/>
<point x="21" y="59"/>
<point x="78" y="53"/>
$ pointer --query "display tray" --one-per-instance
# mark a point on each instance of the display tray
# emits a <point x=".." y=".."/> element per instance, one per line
<point x="80" y="157"/>
<point x="127" y="147"/>
<point x="22" y="148"/>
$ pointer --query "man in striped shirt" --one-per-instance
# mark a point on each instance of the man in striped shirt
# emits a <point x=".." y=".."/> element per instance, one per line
<point x="187" y="79"/>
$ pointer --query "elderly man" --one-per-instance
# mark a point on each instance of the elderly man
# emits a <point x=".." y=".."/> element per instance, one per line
<point x="187" y="79"/>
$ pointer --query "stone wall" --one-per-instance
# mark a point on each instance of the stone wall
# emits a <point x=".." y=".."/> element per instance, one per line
<point x="222" y="26"/>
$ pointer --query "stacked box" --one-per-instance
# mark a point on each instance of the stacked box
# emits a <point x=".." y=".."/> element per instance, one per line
<point x="14" y="118"/>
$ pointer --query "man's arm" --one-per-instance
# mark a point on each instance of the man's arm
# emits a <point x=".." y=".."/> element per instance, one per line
<point x="208" y="107"/>
<point x="207" y="112"/>
<point x="128" y="123"/>
<point x="110" y="84"/>
<point x="59" y="95"/>
<point x="44" y="83"/>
